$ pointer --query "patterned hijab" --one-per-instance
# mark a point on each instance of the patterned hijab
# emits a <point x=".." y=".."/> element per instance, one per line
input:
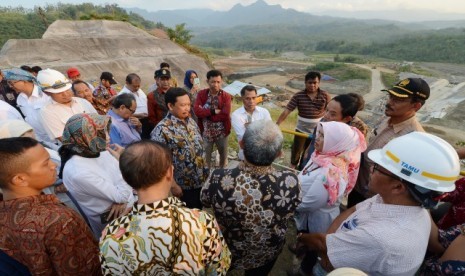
<point x="84" y="135"/>
<point x="187" y="78"/>
<point x="340" y="157"/>
<point x="17" y="74"/>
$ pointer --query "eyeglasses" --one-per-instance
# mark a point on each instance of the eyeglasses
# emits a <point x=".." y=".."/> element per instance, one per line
<point x="132" y="110"/>
<point x="383" y="171"/>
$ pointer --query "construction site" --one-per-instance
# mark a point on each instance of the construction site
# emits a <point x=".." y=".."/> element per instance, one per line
<point x="95" y="46"/>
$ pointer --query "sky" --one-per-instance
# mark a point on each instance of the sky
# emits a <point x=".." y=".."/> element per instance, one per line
<point x="383" y="9"/>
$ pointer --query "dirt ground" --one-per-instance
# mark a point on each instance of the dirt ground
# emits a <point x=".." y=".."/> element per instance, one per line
<point x="286" y="82"/>
<point x="442" y="115"/>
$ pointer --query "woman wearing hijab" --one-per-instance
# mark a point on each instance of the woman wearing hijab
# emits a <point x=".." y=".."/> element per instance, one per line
<point x="90" y="170"/>
<point x="329" y="175"/>
<point x="192" y="86"/>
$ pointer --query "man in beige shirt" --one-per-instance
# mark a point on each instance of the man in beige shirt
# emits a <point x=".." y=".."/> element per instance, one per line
<point x="405" y="99"/>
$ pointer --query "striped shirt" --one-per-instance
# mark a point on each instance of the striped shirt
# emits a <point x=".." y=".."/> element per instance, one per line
<point x="307" y="107"/>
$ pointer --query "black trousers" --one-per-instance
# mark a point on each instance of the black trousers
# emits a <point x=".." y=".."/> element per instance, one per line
<point x="147" y="128"/>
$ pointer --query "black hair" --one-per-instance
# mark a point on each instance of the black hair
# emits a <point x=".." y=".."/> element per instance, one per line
<point x="78" y="82"/>
<point x="173" y="93"/>
<point x="125" y="99"/>
<point x="312" y="75"/>
<point x="350" y="104"/>
<point x="145" y="163"/>
<point x="26" y="68"/>
<point x="214" y="73"/>
<point x="131" y="77"/>
<point x="248" y="88"/>
<point x="11" y="150"/>
<point x="164" y="64"/>
<point x="36" y="69"/>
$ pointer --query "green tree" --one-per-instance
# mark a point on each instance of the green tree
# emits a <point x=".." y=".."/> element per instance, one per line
<point x="180" y="34"/>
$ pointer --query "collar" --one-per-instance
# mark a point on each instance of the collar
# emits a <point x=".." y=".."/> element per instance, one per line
<point x="157" y="206"/>
<point x="402" y="125"/>
<point x="29" y="201"/>
<point x="73" y="101"/>
<point x="176" y="119"/>
<point x="115" y="116"/>
<point x="36" y="92"/>
<point x="219" y="93"/>
<point x="243" y="111"/>
<point x="126" y="89"/>
<point x="255" y="170"/>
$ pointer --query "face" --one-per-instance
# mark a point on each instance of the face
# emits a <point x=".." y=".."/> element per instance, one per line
<point x="319" y="140"/>
<point x="126" y="112"/>
<point x="16" y="85"/>
<point x="181" y="108"/>
<point x="249" y="100"/>
<point x="312" y="85"/>
<point x="333" y="112"/>
<point x="380" y="179"/>
<point x="214" y="83"/>
<point x="64" y="97"/>
<point x="134" y="86"/>
<point x="83" y="91"/>
<point x="164" y="83"/>
<point x="399" y="107"/>
<point x="42" y="170"/>
<point x="193" y="76"/>
<point x="106" y="83"/>
<point x="77" y="77"/>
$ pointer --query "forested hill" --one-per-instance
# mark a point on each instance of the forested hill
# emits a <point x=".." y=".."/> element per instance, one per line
<point x="32" y="23"/>
<point x="388" y="41"/>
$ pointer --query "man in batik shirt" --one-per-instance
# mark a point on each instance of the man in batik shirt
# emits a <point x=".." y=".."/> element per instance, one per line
<point x="180" y="132"/>
<point x="160" y="236"/>
<point x="253" y="202"/>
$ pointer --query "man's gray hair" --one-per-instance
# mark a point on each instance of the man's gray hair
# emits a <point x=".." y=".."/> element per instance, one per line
<point x="263" y="142"/>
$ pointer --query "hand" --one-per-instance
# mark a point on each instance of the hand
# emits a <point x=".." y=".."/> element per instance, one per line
<point x="117" y="210"/>
<point x="176" y="190"/>
<point x="60" y="189"/>
<point x="135" y="122"/>
<point x="115" y="150"/>
<point x="217" y="111"/>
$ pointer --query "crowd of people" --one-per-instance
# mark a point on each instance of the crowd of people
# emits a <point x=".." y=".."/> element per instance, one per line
<point x="103" y="182"/>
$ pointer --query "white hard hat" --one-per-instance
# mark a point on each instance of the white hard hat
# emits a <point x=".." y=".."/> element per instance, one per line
<point x="421" y="159"/>
<point x="53" y="81"/>
<point x="347" y="271"/>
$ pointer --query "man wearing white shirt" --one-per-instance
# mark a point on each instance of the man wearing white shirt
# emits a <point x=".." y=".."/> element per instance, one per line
<point x="62" y="105"/>
<point x="9" y="112"/>
<point x="248" y="113"/>
<point x="133" y="86"/>
<point x="30" y="99"/>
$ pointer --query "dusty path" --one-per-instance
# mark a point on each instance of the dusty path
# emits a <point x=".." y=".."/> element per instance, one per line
<point x="376" y="84"/>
